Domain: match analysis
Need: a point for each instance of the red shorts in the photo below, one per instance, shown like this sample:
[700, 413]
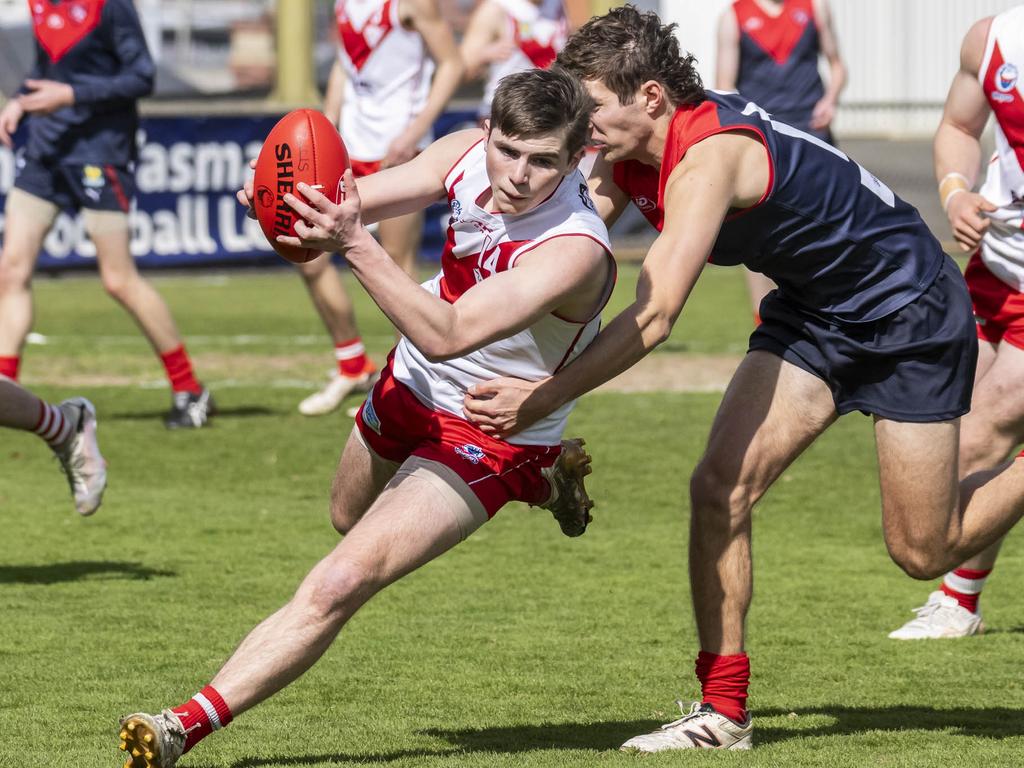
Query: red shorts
[364, 167]
[998, 308]
[396, 425]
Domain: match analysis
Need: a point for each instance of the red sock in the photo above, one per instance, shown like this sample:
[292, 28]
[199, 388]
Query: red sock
[351, 357]
[203, 714]
[9, 367]
[724, 681]
[179, 371]
[964, 585]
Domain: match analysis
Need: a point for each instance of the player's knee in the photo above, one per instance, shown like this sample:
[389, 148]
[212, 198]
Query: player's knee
[342, 517]
[15, 273]
[919, 559]
[339, 589]
[716, 495]
[984, 448]
[119, 283]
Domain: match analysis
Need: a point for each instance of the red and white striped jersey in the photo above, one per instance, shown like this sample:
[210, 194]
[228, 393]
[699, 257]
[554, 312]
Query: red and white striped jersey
[387, 76]
[1002, 248]
[538, 40]
[479, 244]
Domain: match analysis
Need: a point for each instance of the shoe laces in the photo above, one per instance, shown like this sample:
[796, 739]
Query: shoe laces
[924, 613]
[696, 708]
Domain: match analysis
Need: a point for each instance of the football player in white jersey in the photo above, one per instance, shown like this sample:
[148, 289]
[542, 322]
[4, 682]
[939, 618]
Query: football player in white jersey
[385, 94]
[988, 225]
[415, 478]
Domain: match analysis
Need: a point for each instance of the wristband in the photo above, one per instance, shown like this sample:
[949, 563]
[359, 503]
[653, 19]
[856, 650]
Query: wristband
[963, 184]
[950, 196]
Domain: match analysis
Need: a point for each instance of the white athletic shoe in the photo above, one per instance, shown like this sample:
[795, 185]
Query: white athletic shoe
[942, 616]
[152, 741]
[80, 457]
[337, 389]
[700, 728]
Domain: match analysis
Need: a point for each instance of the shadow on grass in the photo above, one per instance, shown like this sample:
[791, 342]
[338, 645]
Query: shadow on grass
[989, 722]
[240, 412]
[57, 573]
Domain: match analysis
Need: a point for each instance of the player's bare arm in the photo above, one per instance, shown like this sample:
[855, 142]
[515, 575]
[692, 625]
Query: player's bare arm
[957, 143]
[723, 172]
[727, 51]
[335, 93]
[825, 109]
[483, 44]
[425, 17]
[10, 116]
[609, 199]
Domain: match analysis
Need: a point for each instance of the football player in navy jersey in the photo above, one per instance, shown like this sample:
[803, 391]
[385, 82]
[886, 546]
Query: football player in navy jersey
[79, 102]
[768, 50]
[870, 316]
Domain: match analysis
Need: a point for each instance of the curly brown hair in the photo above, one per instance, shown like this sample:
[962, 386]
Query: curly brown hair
[625, 48]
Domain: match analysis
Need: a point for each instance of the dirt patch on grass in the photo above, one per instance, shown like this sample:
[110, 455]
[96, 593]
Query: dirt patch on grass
[659, 372]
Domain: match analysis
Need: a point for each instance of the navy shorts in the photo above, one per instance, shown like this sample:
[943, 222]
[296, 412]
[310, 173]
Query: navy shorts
[916, 364]
[73, 187]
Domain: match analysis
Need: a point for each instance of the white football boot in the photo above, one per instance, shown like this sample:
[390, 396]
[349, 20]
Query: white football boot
[80, 457]
[152, 741]
[700, 728]
[334, 391]
[942, 616]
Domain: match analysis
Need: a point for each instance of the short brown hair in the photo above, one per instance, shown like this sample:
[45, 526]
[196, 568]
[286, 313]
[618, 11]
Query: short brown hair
[542, 102]
[625, 48]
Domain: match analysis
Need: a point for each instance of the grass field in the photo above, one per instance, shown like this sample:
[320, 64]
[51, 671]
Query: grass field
[520, 647]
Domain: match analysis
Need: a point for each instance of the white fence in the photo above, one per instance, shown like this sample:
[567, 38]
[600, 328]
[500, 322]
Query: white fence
[901, 55]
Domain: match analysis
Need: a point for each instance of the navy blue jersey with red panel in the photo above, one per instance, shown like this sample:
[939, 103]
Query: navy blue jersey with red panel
[97, 47]
[778, 66]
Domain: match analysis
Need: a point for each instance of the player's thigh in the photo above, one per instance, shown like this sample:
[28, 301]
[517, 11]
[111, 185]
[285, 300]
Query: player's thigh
[420, 514]
[917, 467]
[110, 232]
[771, 411]
[27, 219]
[997, 408]
[359, 480]
[401, 237]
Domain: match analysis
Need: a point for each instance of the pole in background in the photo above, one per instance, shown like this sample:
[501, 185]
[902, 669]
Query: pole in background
[295, 80]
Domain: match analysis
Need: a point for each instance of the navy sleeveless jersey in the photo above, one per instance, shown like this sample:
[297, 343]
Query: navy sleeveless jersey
[834, 238]
[98, 48]
[779, 59]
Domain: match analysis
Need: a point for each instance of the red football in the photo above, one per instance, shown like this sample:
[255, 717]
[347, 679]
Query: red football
[303, 146]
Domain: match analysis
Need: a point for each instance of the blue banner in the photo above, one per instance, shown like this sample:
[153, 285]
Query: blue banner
[185, 212]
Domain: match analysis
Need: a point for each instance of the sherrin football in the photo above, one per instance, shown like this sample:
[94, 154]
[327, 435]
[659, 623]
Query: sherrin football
[303, 146]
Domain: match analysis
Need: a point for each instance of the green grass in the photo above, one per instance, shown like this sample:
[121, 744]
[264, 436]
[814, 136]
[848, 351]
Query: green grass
[520, 647]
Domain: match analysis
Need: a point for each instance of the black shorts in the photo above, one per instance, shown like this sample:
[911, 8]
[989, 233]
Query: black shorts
[916, 364]
[73, 187]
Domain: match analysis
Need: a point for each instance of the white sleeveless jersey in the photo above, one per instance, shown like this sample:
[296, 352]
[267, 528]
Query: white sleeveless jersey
[1002, 247]
[388, 73]
[538, 32]
[480, 244]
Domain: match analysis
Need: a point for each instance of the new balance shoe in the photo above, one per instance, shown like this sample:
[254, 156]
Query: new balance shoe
[569, 502]
[941, 616]
[334, 391]
[190, 410]
[152, 741]
[700, 728]
[80, 457]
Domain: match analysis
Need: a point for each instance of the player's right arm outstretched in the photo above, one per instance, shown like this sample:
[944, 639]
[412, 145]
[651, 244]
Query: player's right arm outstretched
[957, 146]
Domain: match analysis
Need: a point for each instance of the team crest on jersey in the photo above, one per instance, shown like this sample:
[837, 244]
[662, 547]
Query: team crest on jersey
[470, 452]
[92, 176]
[753, 24]
[1006, 77]
[456, 209]
[644, 203]
[800, 16]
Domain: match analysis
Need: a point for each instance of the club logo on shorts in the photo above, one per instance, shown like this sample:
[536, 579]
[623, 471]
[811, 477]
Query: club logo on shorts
[470, 452]
[92, 176]
[644, 203]
[370, 417]
[1006, 77]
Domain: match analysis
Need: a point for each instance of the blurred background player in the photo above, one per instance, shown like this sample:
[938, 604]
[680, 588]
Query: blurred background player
[506, 36]
[92, 65]
[768, 50]
[384, 95]
[988, 224]
[416, 478]
[70, 431]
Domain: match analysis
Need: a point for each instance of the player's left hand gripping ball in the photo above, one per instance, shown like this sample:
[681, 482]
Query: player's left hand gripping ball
[303, 147]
